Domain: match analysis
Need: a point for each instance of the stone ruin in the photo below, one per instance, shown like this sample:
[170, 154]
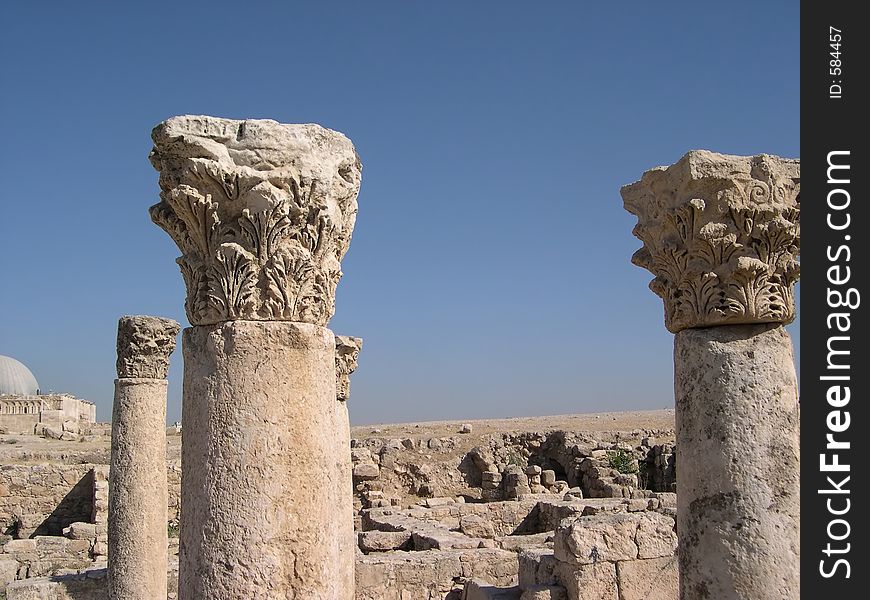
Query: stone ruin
[278, 501]
[721, 235]
[25, 409]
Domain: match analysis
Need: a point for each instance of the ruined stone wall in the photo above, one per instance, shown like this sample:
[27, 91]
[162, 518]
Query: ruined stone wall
[609, 556]
[85, 586]
[399, 471]
[44, 499]
[21, 424]
[45, 555]
[21, 414]
[430, 575]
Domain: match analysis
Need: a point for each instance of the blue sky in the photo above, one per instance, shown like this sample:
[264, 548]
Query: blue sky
[490, 267]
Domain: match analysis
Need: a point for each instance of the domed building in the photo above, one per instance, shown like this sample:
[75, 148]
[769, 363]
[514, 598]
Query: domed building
[24, 409]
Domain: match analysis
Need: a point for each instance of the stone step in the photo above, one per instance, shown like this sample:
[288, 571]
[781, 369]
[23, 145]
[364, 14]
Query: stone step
[476, 589]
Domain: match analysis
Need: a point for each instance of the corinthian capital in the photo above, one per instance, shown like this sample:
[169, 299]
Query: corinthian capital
[347, 351]
[262, 212]
[721, 234]
[144, 346]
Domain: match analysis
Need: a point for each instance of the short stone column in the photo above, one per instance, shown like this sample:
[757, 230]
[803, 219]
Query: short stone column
[721, 235]
[137, 476]
[263, 214]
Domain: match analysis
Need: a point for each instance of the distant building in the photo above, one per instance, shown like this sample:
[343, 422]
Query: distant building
[23, 408]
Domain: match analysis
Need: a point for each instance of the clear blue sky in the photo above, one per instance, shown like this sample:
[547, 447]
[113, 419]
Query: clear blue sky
[490, 267]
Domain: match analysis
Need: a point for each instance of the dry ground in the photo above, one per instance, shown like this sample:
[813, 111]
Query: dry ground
[18, 449]
[610, 421]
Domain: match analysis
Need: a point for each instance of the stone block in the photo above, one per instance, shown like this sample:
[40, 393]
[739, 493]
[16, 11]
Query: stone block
[481, 590]
[436, 502]
[666, 499]
[548, 477]
[383, 541]
[536, 567]
[366, 471]
[589, 582]
[656, 536]
[8, 571]
[605, 537]
[544, 592]
[476, 526]
[360, 455]
[650, 579]
[421, 575]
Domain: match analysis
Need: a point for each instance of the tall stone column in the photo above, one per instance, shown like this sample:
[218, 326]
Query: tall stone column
[263, 214]
[721, 235]
[137, 475]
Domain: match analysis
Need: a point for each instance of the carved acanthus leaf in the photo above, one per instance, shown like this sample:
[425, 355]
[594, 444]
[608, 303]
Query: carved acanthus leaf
[262, 217]
[721, 234]
[347, 351]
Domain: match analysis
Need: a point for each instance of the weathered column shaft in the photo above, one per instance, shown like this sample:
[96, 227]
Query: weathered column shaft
[721, 235]
[738, 460]
[137, 533]
[263, 214]
[265, 517]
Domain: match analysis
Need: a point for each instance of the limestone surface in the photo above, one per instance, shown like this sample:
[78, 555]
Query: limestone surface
[347, 351]
[262, 212]
[615, 537]
[267, 503]
[721, 234]
[144, 346]
[650, 579]
[138, 491]
[738, 504]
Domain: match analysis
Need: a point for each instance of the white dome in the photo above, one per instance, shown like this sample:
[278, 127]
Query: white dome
[16, 379]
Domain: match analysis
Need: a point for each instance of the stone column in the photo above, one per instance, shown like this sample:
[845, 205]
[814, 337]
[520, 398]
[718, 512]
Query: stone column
[137, 477]
[263, 214]
[721, 235]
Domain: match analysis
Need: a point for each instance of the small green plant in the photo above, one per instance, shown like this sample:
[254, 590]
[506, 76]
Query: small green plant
[172, 529]
[622, 461]
[514, 458]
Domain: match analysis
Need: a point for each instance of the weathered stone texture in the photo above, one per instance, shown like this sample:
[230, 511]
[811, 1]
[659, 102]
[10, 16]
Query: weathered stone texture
[262, 213]
[45, 555]
[544, 592]
[431, 575]
[266, 492]
[738, 504]
[90, 585]
[651, 579]
[383, 541]
[347, 351]
[537, 567]
[44, 499]
[144, 346]
[615, 537]
[138, 493]
[721, 234]
[594, 581]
